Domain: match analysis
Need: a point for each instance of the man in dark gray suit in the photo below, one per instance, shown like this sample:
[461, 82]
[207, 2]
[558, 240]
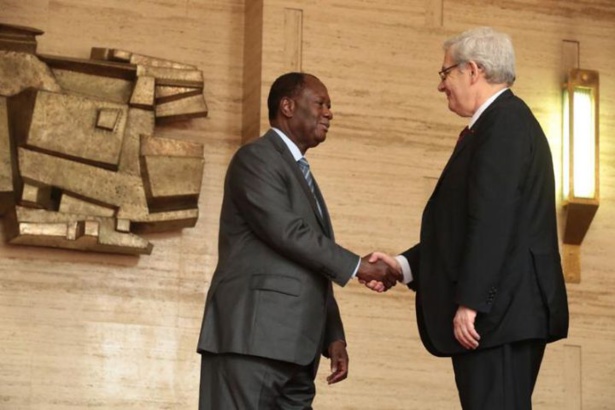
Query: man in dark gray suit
[490, 291]
[270, 311]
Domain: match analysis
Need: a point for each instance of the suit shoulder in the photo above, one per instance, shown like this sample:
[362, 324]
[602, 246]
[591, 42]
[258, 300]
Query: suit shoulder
[511, 110]
[258, 148]
[257, 156]
[511, 102]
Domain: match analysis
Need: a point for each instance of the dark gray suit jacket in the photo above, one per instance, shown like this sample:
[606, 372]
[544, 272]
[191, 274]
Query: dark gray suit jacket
[271, 293]
[489, 237]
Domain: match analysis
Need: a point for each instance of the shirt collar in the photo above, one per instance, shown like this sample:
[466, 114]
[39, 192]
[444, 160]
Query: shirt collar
[294, 150]
[483, 107]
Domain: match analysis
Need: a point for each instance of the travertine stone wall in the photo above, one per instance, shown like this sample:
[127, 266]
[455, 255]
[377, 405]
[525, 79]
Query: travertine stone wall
[82, 331]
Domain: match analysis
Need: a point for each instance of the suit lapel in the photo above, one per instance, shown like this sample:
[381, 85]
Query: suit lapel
[475, 130]
[458, 149]
[324, 219]
[281, 147]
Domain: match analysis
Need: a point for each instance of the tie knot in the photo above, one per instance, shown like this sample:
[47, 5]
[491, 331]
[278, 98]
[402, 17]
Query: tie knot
[463, 134]
[303, 163]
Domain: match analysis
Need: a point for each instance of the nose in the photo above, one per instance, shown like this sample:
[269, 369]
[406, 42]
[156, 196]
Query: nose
[328, 113]
[441, 86]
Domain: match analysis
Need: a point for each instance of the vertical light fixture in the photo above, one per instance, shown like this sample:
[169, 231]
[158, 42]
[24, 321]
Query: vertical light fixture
[580, 162]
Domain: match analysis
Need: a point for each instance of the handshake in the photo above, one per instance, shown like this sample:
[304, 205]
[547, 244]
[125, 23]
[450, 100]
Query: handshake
[379, 271]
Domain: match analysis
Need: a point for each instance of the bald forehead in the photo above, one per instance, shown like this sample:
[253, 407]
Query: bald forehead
[314, 84]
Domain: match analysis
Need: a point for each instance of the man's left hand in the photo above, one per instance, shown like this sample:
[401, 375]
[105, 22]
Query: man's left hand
[463, 328]
[339, 362]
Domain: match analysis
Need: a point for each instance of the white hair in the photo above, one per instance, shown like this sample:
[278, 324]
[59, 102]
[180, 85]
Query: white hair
[491, 50]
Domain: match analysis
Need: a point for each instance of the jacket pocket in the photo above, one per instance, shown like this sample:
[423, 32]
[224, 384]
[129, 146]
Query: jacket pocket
[287, 285]
[550, 278]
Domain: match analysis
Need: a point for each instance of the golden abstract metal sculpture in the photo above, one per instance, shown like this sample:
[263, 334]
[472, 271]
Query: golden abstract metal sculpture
[80, 167]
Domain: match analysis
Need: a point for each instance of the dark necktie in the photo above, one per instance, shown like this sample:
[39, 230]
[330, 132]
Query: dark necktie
[463, 134]
[305, 169]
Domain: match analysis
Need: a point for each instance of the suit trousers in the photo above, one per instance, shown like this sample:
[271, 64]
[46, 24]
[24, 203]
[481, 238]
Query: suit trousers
[502, 377]
[231, 381]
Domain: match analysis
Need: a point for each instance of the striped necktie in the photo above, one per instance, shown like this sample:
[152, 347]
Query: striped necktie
[305, 169]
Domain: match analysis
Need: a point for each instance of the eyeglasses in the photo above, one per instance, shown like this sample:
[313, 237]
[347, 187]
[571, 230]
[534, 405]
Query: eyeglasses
[446, 71]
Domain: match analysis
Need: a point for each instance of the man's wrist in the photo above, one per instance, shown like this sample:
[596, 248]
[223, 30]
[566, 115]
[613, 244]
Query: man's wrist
[405, 269]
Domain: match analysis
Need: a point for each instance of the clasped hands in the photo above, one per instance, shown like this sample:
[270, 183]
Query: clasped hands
[379, 271]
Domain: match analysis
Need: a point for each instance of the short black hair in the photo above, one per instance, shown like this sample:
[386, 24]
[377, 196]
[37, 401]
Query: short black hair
[286, 85]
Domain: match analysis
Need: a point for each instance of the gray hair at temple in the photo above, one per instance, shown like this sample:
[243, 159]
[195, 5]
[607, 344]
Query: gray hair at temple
[491, 50]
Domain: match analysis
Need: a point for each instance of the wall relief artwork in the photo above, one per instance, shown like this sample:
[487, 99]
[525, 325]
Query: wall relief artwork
[80, 167]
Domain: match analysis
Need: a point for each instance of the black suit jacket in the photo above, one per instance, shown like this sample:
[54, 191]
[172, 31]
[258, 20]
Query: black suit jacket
[489, 237]
[271, 293]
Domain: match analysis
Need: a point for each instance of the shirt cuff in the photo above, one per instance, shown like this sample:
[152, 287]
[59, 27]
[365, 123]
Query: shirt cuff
[354, 274]
[405, 268]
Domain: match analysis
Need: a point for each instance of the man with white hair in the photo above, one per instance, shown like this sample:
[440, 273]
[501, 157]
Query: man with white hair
[490, 291]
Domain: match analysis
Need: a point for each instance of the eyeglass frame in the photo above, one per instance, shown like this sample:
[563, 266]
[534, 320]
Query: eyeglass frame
[446, 71]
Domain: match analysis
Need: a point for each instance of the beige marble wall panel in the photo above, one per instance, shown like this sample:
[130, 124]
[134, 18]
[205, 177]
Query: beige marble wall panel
[81, 331]
[6, 169]
[252, 60]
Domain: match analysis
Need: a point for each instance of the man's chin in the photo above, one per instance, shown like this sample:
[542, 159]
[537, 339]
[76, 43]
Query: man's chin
[320, 138]
[454, 109]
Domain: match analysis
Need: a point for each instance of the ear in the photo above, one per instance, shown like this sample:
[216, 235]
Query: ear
[287, 106]
[475, 71]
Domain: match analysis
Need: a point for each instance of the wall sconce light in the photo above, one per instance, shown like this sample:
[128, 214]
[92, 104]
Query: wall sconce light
[580, 162]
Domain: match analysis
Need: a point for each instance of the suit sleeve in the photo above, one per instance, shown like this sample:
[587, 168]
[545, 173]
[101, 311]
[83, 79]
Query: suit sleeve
[260, 182]
[334, 327]
[494, 190]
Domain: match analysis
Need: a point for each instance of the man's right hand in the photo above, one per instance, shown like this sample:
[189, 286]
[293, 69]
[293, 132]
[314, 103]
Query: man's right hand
[378, 271]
